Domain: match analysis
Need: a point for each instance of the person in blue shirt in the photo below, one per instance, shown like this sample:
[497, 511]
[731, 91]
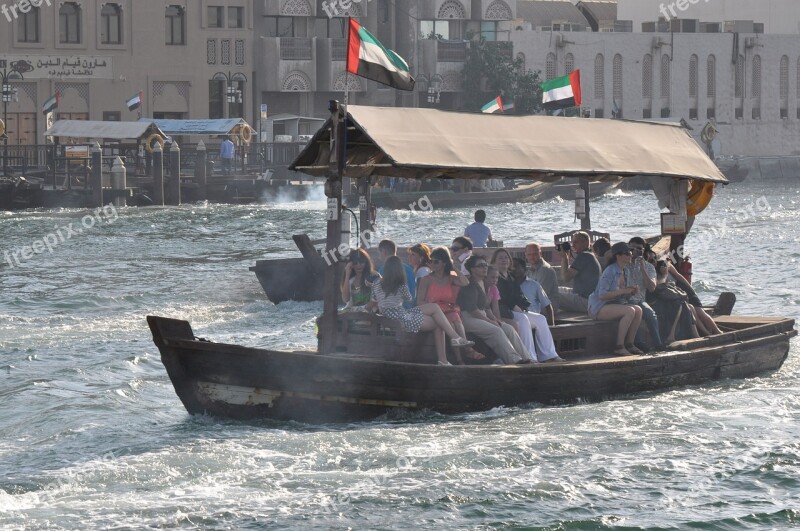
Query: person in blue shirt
[479, 232]
[227, 151]
[533, 291]
[387, 248]
[610, 300]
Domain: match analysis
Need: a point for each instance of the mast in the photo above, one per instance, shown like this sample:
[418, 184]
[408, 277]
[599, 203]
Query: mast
[333, 191]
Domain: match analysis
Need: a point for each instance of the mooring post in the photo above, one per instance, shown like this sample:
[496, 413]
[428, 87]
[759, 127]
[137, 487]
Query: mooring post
[97, 176]
[119, 182]
[200, 170]
[158, 175]
[174, 186]
[333, 191]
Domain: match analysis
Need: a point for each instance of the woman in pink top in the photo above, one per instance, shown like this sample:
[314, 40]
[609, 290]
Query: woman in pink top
[441, 288]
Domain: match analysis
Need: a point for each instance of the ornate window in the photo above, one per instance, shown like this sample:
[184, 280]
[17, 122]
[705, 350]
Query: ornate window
[550, 68]
[756, 85]
[69, 23]
[647, 76]
[498, 10]
[225, 51]
[617, 81]
[693, 73]
[28, 25]
[569, 63]
[111, 24]
[665, 76]
[175, 25]
[784, 90]
[711, 77]
[599, 77]
[297, 8]
[296, 82]
[239, 51]
[452, 9]
[211, 51]
[353, 83]
[739, 86]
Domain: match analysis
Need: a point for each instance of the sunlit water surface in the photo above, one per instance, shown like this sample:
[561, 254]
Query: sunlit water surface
[92, 434]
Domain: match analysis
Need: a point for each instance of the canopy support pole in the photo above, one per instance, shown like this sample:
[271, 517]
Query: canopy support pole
[586, 221]
[365, 211]
[332, 256]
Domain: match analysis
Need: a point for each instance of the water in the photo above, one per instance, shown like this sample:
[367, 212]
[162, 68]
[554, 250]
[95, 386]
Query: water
[93, 436]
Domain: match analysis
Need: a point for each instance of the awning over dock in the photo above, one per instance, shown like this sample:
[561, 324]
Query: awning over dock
[198, 127]
[103, 130]
[429, 143]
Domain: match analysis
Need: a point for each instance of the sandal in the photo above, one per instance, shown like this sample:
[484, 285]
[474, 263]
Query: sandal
[474, 355]
[620, 351]
[461, 342]
[633, 350]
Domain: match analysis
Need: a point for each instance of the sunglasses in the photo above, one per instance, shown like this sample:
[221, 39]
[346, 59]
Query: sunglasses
[456, 249]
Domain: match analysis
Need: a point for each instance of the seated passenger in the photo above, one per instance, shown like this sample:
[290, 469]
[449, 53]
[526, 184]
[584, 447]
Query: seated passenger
[493, 294]
[609, 301]
[580, 267]
[461, 249]
[533, 291]
[479, 232]
[359, 275]
[391, 291]
[500, 337]
[542, 272]
[602, 249]
[705, 323]
[419, 258]
[441, 288]
[514, 305]
[675, 315]
[387, 248]
[641, 274]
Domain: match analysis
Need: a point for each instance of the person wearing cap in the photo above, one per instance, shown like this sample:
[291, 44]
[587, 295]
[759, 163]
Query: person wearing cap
[610, 300]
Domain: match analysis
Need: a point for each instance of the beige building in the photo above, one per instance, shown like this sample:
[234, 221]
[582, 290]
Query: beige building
[190, 59]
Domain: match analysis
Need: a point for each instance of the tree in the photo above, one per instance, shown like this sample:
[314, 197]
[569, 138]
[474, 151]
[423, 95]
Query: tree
[490, 70]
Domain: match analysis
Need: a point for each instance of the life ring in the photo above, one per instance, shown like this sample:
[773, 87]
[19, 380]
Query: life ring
[148, 143]
[245, 133]
[698, 197]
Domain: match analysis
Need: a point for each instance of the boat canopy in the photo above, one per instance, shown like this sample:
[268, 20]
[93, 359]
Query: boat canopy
[103, 130]
[197, 127]
[429, 143]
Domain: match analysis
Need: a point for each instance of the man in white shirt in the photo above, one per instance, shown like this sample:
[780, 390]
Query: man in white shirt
[461, 250]
[479, 232]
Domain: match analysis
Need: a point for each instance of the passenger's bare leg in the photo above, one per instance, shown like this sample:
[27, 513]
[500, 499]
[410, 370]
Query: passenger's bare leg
[707, 320]
[634, 327]
[625, 314]
[435, 313]
[441, 352]
[674, 328]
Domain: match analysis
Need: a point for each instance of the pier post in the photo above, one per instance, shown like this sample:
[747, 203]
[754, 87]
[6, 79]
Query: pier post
[174, 183]
[119, 182]
[200, 170]
[333, 191]
[97, 176]
[158, 175]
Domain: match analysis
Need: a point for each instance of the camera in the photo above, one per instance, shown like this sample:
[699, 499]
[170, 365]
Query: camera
[563, 247]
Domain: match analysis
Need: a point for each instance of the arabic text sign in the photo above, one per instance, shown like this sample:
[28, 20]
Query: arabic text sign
[61, 66]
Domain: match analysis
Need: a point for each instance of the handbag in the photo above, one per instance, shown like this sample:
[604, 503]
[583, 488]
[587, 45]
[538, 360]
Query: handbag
[670, 292]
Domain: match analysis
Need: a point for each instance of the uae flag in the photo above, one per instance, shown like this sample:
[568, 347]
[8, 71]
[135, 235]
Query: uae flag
[367, 57]
[493, 106]
[135, 102]
[51, 103]
[562, 92]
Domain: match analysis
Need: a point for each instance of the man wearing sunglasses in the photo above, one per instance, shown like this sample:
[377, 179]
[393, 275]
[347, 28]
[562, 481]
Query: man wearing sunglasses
[641, 274]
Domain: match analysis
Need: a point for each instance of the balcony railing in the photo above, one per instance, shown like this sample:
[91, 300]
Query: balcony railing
[295, 49]
[451, 52]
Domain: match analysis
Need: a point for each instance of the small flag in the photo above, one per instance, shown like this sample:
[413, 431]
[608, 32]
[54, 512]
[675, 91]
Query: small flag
[367, 57]
[51, 103]
[562, 92]
[135, 102]
[493, 106]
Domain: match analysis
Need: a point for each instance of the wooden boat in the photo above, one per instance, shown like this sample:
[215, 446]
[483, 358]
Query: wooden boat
[366, 365]
[525, 193]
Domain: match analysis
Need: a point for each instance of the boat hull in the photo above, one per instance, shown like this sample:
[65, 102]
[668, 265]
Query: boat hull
[245, 383]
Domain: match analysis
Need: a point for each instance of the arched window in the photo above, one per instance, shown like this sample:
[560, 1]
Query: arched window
[647, 76]
[693, 76]
[111, 24]
[550, 66]
[599, 77]
[452, 9]
[569, 63]
[711, 77]
[69, 23]
[665, 77]
[28, 25]
[498, 10]
[617, 86]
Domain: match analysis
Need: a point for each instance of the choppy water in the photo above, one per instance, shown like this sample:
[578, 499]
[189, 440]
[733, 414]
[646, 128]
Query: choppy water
[93, 436]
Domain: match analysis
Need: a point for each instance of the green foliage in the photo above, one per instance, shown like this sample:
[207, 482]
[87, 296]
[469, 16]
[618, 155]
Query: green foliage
[490, 70]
